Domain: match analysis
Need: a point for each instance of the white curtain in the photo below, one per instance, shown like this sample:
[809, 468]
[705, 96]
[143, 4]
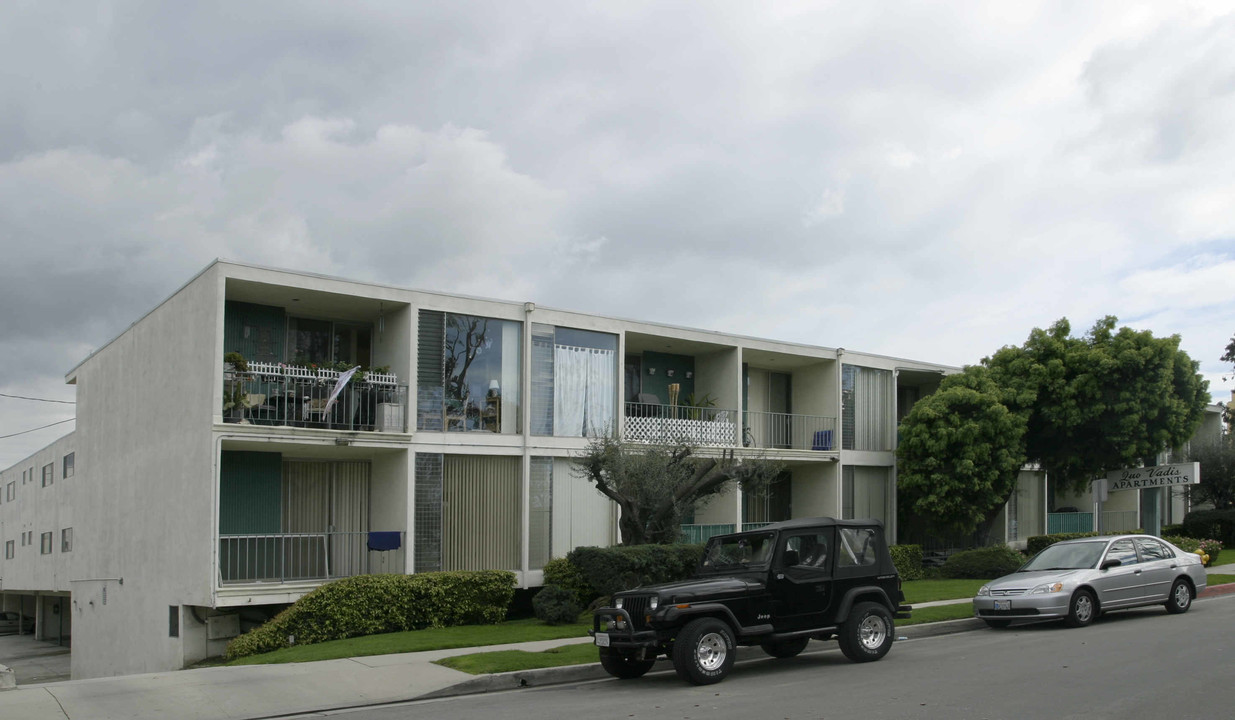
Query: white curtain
[570, 378]
[601, 391]
[873, 414]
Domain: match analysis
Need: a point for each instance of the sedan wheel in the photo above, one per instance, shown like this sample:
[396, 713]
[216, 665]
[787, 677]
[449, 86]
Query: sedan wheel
[1181, 597]
[1082, 609]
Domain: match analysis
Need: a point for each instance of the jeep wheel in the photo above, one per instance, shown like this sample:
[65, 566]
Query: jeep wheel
[624, 666]
[867, 634]
[704, 651]
[785, 648]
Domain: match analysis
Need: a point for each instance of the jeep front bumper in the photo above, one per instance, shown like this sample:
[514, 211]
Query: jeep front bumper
[613, 627]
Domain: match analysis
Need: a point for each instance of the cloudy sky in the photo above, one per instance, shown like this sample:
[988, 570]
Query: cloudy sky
[898, 178]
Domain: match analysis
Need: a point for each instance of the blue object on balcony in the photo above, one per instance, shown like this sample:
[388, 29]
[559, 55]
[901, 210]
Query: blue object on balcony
[384, 540]
[823, 440]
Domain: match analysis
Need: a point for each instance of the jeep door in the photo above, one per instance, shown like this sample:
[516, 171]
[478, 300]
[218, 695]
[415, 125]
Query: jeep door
[801, 582]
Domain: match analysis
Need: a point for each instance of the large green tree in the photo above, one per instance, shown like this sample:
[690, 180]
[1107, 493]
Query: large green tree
[654, 485]
[960, 451]
[1112, 398]
[1076, 406]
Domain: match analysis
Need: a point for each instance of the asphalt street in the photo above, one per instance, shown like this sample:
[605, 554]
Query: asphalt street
[1137, 664]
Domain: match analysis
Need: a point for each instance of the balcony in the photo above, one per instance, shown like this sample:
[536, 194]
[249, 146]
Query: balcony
[299, 396]
[787, 431]
[1113, 521]
[668, 424]
[300, 557]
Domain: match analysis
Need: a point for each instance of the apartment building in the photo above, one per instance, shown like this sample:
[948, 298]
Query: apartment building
[204, 486]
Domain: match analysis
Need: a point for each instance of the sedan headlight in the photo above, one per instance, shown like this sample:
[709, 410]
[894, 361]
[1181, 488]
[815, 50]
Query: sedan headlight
[984, 590]
[1048, 588]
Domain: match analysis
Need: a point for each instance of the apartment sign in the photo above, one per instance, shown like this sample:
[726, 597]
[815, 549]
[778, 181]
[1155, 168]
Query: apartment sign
[1152, 477]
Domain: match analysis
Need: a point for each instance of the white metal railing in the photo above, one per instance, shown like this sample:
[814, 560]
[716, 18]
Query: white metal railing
[277, 394]
[284, 557]
[654, 423]
[789, 431]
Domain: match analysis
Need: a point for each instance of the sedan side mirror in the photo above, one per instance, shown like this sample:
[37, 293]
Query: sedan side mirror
[1113, 562]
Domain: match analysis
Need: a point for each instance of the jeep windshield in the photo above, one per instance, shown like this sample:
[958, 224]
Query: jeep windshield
[737, 552]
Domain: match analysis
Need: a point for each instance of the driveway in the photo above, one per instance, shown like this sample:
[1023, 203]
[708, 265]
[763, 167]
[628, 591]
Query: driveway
[34, 661]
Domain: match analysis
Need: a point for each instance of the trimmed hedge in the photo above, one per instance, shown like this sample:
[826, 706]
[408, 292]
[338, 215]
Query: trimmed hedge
[1174, 530]
[1216, 524]
[373, 604]
[613, 569]
[560, 572]
[983, 563]
[908, 561]
[556, 605]
[1037, 543]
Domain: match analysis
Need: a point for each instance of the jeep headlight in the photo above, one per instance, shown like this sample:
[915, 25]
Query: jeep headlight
[1048, 588]
[984, 590]
[655, 603]
[617, 603]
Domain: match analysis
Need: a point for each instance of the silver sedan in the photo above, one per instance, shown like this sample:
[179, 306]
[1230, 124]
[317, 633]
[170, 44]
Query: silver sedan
[1077, 580]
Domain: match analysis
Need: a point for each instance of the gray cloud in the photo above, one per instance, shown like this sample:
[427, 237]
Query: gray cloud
[912, 180]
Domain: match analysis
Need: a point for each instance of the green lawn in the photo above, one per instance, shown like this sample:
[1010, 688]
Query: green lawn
[1226, 556]
[938, 613]
[512, 631]
[1220, 579]
[510, 660]
[920, 591]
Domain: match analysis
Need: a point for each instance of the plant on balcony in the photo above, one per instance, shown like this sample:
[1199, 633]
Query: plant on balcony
[656, 485]
[235, 389]
[695, 407]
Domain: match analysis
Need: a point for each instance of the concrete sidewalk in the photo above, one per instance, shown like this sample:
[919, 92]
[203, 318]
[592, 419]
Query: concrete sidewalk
[265, 691]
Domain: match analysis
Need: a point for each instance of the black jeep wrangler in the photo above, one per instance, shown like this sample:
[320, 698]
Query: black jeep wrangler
[776, 587]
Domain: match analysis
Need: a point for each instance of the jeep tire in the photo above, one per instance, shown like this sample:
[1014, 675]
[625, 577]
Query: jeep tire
[866, 634]
[624, 665]
[704, 651]
[786, 648]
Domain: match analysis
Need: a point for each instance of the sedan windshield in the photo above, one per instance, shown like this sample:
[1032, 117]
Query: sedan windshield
[737, 551]
[1070, 556]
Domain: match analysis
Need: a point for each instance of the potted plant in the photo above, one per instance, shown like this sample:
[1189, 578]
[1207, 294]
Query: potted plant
[235, 392]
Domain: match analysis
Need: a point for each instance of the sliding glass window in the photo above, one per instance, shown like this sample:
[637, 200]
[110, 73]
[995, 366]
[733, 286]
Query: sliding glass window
[866, 413]
[574, 382]
[468, 373]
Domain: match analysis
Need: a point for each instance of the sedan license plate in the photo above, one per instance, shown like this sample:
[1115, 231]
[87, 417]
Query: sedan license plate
[1003, 604]
[602, 639]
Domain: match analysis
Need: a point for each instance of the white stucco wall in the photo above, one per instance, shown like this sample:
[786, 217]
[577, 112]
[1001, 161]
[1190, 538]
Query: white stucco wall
[37, 509]
[145, 408]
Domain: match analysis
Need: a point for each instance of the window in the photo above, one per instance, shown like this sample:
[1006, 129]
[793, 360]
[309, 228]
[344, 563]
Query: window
[858, 547]
[467, 373]
[806, 554]
[45, 543]
[8, 550]
[574, 382]
[11, 491]
[49, 474]
[66, 540]
[173, 621]
[23, 477]
[1123, 551]
[1153, 550]
[864, 492]
[68, 465]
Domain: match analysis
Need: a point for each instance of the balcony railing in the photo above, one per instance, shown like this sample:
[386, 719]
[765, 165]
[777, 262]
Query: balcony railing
[699, 534]
[277, 394]
[290, 557]
[789, 431]
[667, 424]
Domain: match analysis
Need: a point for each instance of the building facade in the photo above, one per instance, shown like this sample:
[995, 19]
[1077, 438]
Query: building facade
[222, 463]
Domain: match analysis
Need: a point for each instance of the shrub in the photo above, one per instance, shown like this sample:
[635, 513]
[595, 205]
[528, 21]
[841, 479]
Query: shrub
[983, 563]
[1217, 524]
[613, 569]
[1174, 530]
[1186, 544]
[556, 605]
[372, 604]
[1037, 543]
[908, 561]
[563, 573]
[1211, 548]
